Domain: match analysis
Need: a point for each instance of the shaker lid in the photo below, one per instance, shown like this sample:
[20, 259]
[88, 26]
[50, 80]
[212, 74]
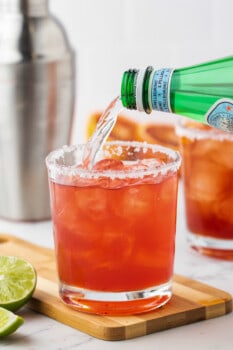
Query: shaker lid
[31, 33]
[26, 7]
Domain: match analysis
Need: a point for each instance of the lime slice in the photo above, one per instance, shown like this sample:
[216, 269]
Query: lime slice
[17, 282]
[9, 322]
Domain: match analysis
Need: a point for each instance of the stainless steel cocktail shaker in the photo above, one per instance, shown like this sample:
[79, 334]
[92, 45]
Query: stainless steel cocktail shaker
[37, 90]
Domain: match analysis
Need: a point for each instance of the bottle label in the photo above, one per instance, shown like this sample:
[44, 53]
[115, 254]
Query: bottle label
[220, 115]
[160, 90]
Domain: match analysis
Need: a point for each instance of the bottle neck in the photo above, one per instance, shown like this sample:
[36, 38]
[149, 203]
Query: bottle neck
[146, 89]
[31, 8]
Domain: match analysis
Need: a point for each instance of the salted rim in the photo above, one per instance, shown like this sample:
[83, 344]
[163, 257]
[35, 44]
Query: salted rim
[56, 169]
[200, 134]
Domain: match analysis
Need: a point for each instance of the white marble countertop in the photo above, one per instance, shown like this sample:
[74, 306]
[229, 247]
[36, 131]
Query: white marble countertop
[40, 332]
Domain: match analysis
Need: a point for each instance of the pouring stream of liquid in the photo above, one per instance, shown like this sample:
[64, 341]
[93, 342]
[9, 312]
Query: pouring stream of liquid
[101, 133]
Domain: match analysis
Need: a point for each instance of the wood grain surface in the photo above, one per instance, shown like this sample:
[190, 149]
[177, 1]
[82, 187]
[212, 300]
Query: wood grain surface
[192, 301]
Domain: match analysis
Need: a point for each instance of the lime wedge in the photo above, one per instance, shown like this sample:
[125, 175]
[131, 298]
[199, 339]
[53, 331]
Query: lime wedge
[9, 322]
[17, 282]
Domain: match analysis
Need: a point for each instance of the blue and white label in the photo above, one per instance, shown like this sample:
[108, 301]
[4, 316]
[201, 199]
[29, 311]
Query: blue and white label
[160, 90]
[220, 115]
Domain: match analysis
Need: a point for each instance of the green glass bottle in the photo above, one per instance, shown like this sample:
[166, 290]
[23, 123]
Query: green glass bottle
[202, 92]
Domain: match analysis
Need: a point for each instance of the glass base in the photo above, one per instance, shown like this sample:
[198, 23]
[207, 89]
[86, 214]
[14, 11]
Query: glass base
[213, 247]
[122, 303]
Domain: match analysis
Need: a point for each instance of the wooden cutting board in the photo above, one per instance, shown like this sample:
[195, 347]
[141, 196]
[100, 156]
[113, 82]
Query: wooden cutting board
[192, 301]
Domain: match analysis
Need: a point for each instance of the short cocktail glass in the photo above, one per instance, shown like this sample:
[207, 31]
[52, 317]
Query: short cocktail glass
[207, 170]
[114, 226]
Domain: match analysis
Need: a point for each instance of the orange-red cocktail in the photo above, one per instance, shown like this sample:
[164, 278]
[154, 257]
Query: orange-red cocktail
[114, 227]
[207, 173]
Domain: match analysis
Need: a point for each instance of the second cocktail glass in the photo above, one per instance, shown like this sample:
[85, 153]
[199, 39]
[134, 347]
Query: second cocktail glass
[208, 191]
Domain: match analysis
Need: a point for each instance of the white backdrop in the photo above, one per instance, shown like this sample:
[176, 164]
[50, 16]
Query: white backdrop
[110, 36]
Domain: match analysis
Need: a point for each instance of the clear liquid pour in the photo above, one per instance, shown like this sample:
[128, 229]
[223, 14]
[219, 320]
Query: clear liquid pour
[101, 133]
